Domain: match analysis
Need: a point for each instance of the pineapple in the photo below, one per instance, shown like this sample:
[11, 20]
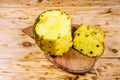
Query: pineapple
[88, 40]
[52, 30]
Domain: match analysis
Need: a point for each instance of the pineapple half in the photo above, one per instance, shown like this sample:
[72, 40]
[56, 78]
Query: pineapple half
[88, 40]
[53, 32]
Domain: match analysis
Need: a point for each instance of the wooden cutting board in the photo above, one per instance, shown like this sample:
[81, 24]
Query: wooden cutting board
[72, 61]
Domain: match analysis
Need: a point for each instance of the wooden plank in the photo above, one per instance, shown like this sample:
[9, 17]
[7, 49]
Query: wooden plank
[106, 69]
[21, 58]
[12, 30]
[59, 3]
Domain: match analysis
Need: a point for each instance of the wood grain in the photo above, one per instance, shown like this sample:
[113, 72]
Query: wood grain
[18, 62]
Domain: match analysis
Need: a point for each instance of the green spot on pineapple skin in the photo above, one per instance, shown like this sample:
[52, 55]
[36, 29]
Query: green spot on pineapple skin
[41, 15]
[37, 20]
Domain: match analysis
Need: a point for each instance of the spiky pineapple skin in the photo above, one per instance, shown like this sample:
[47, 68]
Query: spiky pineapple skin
[89, 40]
[52, 30]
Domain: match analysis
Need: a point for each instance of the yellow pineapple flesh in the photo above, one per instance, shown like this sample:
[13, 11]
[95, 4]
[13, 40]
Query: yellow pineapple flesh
[53, 32]
[88, 40]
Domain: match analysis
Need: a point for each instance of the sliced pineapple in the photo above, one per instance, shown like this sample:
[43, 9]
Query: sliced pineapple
[53, 32]
[88, 40]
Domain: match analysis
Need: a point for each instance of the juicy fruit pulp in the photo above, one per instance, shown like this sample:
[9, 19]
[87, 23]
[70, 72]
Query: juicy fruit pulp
[88, 40]
[53, 32]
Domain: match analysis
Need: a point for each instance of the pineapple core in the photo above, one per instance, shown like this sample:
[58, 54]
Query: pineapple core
[53, 32]
[88, 40]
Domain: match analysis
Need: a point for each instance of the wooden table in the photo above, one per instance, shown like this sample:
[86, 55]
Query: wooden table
[22, 59]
